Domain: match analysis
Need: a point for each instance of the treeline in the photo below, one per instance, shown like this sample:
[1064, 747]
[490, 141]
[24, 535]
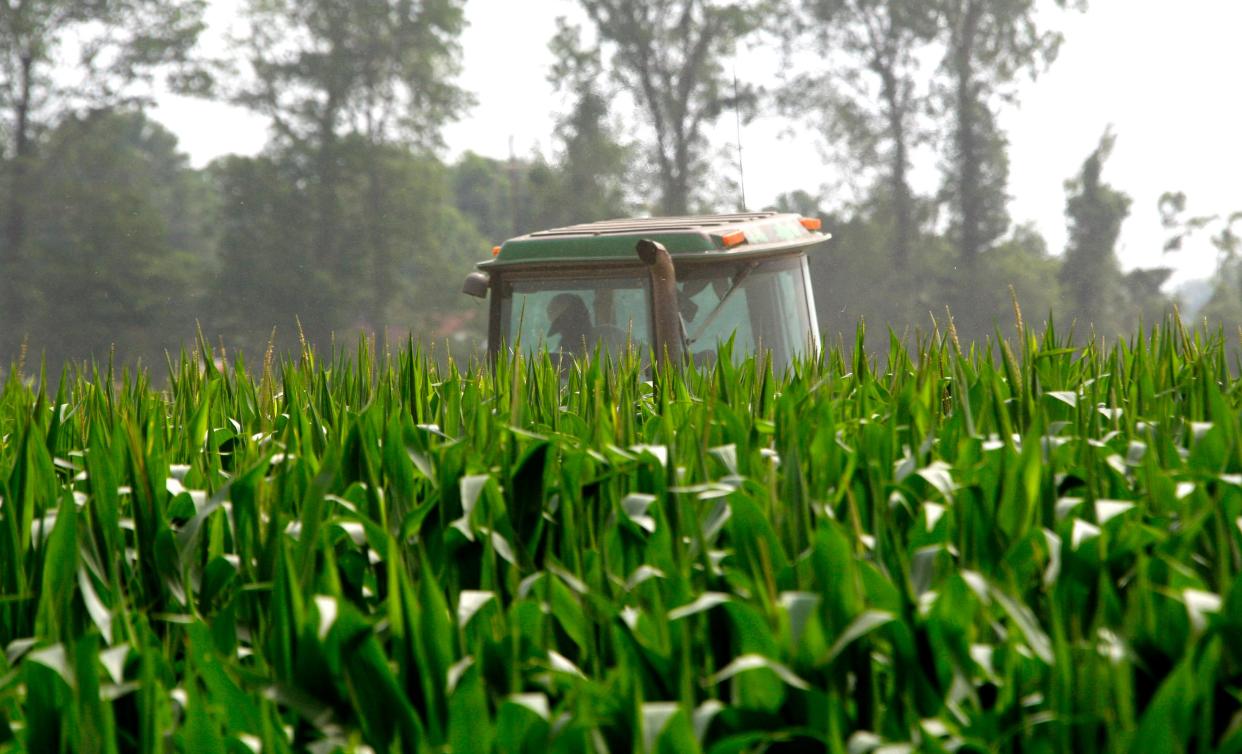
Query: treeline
[351, 221]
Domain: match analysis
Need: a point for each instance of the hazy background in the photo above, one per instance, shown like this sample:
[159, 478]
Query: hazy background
[1156, 71]
[239, 164]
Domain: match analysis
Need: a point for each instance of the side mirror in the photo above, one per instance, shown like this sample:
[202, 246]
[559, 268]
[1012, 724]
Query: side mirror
[477, 284]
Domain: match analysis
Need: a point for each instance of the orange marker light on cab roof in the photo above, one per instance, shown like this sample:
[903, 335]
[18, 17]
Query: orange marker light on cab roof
[812, 223]
[736, 238]
[495, 251]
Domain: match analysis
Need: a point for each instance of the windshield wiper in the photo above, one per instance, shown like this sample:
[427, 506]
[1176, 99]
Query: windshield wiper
[711, 316]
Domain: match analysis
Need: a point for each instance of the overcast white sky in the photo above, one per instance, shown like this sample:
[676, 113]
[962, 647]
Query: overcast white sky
[1163, 73]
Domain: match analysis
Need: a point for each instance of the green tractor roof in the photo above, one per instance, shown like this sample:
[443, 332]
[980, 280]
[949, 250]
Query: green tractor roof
[614, 240]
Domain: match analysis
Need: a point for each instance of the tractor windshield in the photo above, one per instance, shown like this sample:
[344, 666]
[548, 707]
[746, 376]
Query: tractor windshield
[763, 304]
[760, 304]
[573, 314]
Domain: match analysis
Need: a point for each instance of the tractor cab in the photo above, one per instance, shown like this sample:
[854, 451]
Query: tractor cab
[678, 285]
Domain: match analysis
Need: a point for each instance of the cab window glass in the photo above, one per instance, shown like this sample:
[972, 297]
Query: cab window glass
[710, 318]
[761, 304]
[571, 315]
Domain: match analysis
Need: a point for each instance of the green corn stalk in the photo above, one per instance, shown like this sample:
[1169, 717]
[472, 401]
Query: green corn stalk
[1013, 545]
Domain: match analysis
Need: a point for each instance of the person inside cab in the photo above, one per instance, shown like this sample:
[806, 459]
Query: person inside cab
[571, 320]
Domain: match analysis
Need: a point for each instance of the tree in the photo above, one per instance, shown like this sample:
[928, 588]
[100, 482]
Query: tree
[667, 55]
[340, 81]
[267, 278]
[1225, 304]
[585, 179]
[592, 174]
[264, 275]
[383, 69]
[121, 44]
[873, 100]
[1143, 288]
[799, 202]
[120, 223]
[1091, 278]
[490, 192]
[988, 44]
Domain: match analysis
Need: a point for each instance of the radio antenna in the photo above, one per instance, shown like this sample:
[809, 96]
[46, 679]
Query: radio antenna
[737, 112]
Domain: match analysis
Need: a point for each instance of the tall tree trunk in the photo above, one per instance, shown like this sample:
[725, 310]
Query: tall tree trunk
[969, 156]
[13, 314]
[675, 181]
[673, 202]
[326, 195]
[903, 202]
[318, 317]
[383, 276]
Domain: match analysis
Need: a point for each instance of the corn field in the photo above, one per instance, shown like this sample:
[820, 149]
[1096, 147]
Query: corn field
[1011, 546]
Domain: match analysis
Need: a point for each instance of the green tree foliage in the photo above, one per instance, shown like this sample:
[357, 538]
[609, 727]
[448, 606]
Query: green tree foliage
[267, 276]
[1091, 278]
[342, 81]
[586, 178]
[438, 245]
[879, 103]
[119, 222]
[1096, 291]
[349, 220]
[1019, 268]
[593, 173]
[321, 69]
[506, 198]
[855, 277]
[987, 45]
[264, 275]
[585, 181]
[1225, 305]
[104, 51]
[875, 102]
[1147, 301]
[668, 55]
[588, 175]
[492, 193]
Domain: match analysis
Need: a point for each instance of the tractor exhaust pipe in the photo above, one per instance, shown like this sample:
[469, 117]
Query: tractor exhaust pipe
[665, 313]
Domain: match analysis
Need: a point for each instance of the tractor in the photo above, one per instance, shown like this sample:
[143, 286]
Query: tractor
[678, 287]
